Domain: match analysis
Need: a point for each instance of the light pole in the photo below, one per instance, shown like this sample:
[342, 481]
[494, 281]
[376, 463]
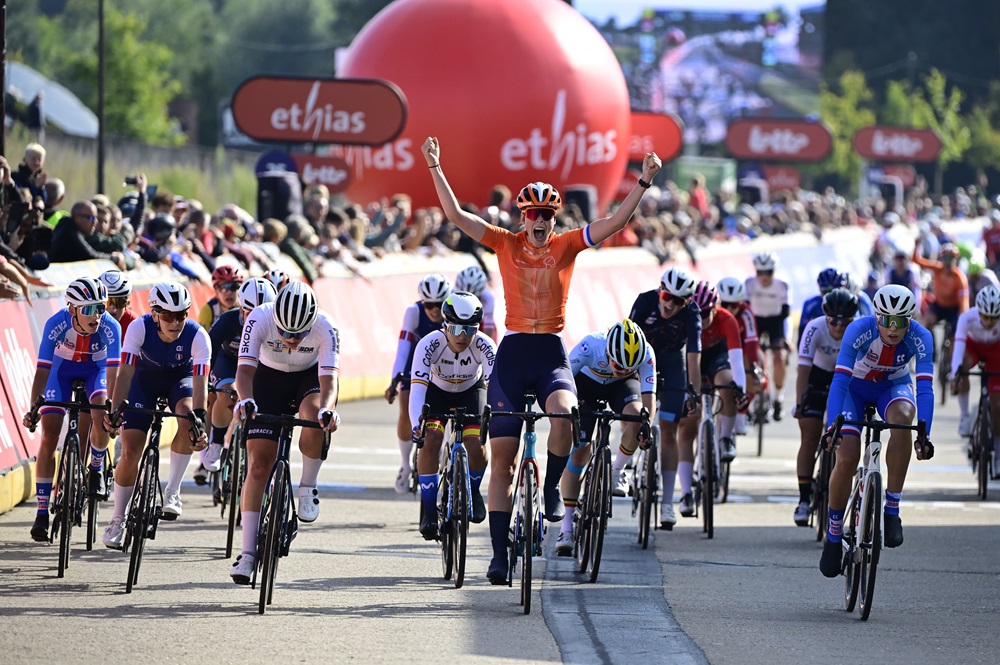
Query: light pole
[100, 96]
[3, 78]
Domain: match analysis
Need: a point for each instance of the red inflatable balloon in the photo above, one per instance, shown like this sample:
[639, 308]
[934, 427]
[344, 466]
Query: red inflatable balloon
[516, 91]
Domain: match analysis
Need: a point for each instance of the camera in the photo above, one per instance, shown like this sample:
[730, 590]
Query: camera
[130, 180]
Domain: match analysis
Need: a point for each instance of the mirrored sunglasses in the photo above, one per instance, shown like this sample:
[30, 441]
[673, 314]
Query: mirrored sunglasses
[92, 310]
[118, 303]
[458, 329]
[888, 321]
[543, 214]
[669, 297]
[290, 335]
[837, 320]
[172, 317]
[232, 287]
[431, 305]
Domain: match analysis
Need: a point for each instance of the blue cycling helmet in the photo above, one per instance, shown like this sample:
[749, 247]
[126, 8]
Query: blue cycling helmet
[830, 278]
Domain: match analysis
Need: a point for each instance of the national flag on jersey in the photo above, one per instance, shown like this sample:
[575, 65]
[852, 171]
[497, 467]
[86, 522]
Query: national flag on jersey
[81, 349]
[885, 357]
[201, 370]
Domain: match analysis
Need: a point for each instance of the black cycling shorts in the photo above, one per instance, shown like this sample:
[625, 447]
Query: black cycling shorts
[616, 394]
[812, 403]
[280, 393]
[713, 361]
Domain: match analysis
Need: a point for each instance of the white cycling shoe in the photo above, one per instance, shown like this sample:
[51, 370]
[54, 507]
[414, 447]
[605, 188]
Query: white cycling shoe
[172, 506]
[114, 533]
[403, 480]
[308, 509]
[965, 425]
[242, 569]
[211, 458]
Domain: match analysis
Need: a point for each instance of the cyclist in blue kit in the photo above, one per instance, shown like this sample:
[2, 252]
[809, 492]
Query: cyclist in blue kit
[79, 342]
[873, 367]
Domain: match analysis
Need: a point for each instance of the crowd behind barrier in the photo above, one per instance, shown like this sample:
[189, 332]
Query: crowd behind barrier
[368, 311]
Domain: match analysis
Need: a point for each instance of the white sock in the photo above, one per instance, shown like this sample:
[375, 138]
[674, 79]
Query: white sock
[310, 471]
[963, 404]
[405, 450]
[726, 424]
[250, 523]
[567, 522]
[741, 420]
[178, 467]
[621, 461]
[122, 496]
[669, 480]
[685, 470]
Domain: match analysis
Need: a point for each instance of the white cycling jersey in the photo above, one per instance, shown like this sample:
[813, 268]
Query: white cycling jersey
[818, 347]
[489, 305]
[970, 327]
[767, 301]
[434, 362]
[590, 357]
[260, 342]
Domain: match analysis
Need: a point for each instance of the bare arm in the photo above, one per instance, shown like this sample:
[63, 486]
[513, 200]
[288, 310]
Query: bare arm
[604, 228]
[473, 225]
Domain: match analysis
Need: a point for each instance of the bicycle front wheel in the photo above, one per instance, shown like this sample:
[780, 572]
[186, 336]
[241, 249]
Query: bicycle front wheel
[529, 486]
[272, 533]
[850, 546]
[460, 514]
[585, 510]
[871, 542]
[708, 477]
[140, 513]
[648, 491]
[66, 500]
[445, 526]
[821, 495]
[602, 508]
[232, 487]
[984, 444]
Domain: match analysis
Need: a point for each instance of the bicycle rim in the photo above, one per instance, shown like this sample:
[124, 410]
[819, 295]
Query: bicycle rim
[871, 544]
[528, 533]
[268, 549]
[447, 555]
[708, 478]
[581, 535]
[602, 502]
[232, 501]
[93, 518]
[67, 493]
[460, 516]
[138, 520]
[648, 494]
[985, 436]
[851, 572]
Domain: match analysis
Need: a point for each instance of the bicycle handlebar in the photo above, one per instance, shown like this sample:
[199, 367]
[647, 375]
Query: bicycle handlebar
[292, 421]
[458, 414]
[222, 391]
[528, 417]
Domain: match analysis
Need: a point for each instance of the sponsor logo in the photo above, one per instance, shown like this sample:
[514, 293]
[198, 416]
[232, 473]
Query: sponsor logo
[332, 171]
[465, 361]
[485, 348]
[865, 337]
[897, 144]
[655, 132]
[787, 140]
[432, 347]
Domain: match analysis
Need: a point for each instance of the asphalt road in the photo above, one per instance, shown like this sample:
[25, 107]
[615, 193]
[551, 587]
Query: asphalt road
[362, 586]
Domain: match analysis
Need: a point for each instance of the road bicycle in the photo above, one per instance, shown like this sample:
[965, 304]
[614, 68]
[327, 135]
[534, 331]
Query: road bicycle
[865, 519]
[527, 527]
[594, 507]
[232, 475]
[711, 475]
[215, 477]
[278, 520]
[760, 408]
[145, 508]
[454, 492]
[70, 495]
[645, 484]
[819, 509]
[981, 440]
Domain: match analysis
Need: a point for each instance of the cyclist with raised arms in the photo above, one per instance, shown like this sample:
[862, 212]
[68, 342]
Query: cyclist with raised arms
[615, 367]
[818, 350]
[79, 342]
[289, 355]
[770, 300]
[721, 350]
[225, 335]
[732, 297]
[419, 320]
[672, 325]
[827, 280]
[164, 354]
[226, 281]
[119, 298]
[977, 337]
[536, 267]
[873, 367]
[949, 284]
[451, 369]
[474, 280]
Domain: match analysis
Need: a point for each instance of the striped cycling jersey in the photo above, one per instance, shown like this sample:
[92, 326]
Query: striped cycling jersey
[144, 349]
[62, 343]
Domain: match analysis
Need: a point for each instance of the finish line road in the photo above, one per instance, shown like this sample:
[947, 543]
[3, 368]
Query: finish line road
[360, 585]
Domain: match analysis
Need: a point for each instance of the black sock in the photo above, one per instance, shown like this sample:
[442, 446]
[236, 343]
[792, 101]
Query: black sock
[499, 528]
[805, 490]
[219, 435]
[554, 469]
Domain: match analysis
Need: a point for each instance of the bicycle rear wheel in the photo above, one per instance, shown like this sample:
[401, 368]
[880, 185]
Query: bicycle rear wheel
[272, 533]
[602, 506]
[708, 477]
[93, 518]
[724, 482]
[760, 417]
[529, 485]
[871, 543]
[140, 512]
[233, 486]
[821, 495]
[945, 365]
[66, 499]
[460, 515]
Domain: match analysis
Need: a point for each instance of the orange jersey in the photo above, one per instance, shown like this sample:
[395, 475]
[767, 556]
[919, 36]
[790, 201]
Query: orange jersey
[536, 281]
[951, 288]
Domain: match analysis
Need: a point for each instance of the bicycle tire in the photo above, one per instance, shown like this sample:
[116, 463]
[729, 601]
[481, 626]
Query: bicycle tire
[66, 501]
[93, 519]
[269, 545]
[460, 514]
[760, 416]
[708, 478]
[871, 544]
[850, 566]
[984, 448]
[528, 500]
[648, 494]
[945, 365]
[444, 526]
[602, 503]
[724, 482]
[585, 509]
[821, 496]
[231, 499]
[139, 517]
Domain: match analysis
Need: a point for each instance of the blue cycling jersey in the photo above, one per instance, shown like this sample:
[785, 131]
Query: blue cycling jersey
[865, 306]
[865, 360]
[61, 343]
[191, 352]
[813, 309]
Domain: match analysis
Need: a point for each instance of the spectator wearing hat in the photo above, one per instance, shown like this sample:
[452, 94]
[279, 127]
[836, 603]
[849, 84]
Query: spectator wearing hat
[69, 240]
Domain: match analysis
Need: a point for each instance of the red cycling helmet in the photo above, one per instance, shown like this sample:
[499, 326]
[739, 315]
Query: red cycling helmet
[226, 274]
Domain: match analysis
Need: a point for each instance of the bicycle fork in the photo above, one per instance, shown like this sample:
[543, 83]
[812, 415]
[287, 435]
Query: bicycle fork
[869, 465]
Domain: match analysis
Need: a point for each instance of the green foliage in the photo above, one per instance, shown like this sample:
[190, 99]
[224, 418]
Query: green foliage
[846, 110]
[983, 122]
[897, 109]
[937, 107]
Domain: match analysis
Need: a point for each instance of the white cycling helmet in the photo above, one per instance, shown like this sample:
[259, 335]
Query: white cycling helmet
[278, 278]
[86, 291]
[256, 291]
[731, 289]
[169, 297]
[471, 279]
[894, 300]
[434, 288]
[765, 261]
[676, 282]
[626, 345]
[117, 283]
[295, 308]
[462, 308]
[988, 301]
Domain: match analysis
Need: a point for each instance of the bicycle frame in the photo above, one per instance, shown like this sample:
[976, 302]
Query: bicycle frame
[981, 441]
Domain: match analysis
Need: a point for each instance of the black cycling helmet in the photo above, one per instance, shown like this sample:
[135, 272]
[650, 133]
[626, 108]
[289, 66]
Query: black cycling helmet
[159, 227]
[840, 302]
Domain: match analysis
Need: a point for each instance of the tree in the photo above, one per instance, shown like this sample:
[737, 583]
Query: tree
[937, 107]
[897, 109]
[983, 121]
[845, 111]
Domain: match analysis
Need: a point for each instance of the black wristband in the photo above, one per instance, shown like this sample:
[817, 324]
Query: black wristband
[644, 184]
